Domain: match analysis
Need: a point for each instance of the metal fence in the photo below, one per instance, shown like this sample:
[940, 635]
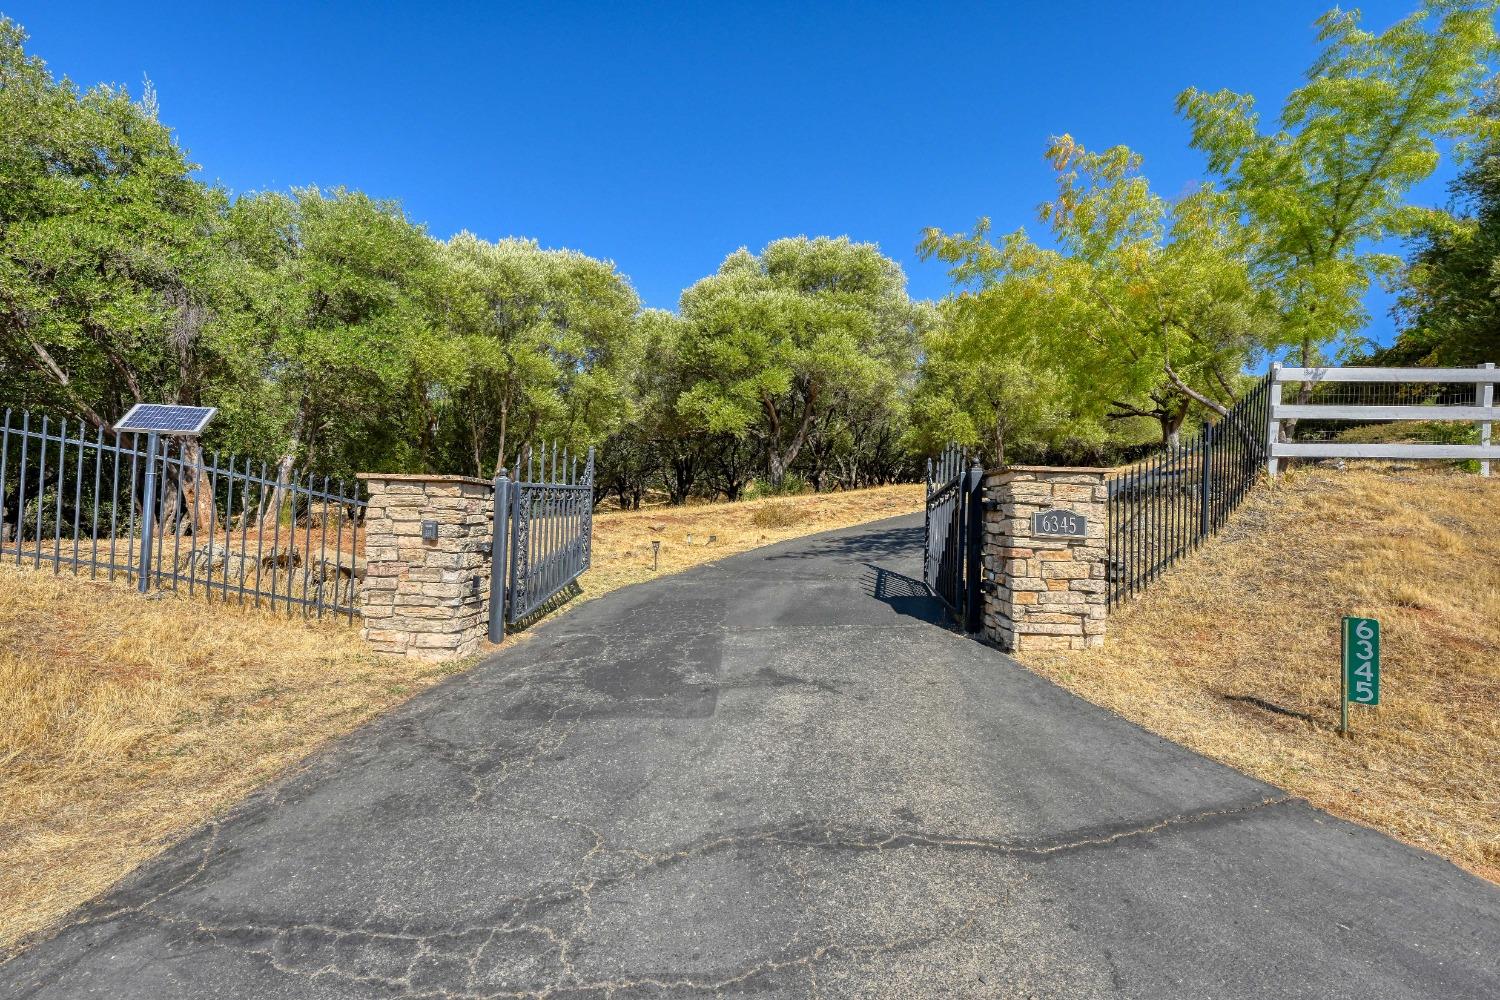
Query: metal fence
[953, 532]
[1166, 505]
[544, 527]
[169, 518]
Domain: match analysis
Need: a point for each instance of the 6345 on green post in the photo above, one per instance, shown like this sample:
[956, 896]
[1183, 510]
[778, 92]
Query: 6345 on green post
[1360, 676]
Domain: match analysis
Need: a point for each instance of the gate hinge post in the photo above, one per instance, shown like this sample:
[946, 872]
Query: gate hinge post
[499, 563]
[974, 554]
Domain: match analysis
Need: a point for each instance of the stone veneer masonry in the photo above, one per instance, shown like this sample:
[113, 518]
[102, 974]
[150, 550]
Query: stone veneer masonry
[427, 599]
[1044, 592]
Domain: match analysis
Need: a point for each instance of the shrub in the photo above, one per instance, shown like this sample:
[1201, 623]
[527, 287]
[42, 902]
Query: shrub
[776, 515]
[792, 485]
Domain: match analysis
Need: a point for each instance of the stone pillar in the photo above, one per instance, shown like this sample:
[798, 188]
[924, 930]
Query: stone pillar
[427, 597]
[1044, 584]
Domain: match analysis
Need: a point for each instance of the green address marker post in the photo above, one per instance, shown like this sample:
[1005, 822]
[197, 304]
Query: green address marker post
[1359, 678]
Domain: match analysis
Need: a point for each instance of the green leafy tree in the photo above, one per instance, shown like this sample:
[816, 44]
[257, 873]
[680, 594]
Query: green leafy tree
[1144, 308]
[656, 443]
[1450, 304]
[548, 339]
[860, 439]
[107, 265]
[679, 445]
[857, 435]
[1328, 182]
[771, 338]
[341, 330]
[989, 377]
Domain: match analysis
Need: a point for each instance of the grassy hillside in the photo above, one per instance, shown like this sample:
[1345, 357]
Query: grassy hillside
[690, 536]
[1235, 652]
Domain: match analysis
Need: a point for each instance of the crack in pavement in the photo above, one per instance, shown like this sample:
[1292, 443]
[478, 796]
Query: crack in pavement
[487, 767]
[454, 961]
[473, 762]
[273, 945]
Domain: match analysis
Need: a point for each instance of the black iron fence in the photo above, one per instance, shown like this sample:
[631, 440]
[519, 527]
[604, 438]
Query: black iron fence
[954, 531]
[1166, 505]
[172, 518]
[544, 527]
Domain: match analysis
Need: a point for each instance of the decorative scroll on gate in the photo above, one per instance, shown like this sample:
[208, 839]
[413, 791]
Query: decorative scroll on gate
[544, 526]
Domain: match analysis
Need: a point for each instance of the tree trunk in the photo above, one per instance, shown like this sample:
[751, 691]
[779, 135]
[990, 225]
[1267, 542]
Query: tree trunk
[680, 484]
[1304, 393]
[278, 493]
[196, 498]
[776, 467]
[504, 425]
[1170, 424]
[169, 493]
[781, 461]
[476, 450]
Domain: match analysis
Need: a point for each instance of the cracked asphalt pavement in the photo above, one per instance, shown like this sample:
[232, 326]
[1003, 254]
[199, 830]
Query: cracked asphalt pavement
[777, 775]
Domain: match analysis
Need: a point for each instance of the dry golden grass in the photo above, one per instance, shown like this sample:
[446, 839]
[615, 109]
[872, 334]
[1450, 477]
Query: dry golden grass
[1235, 651]
[691, 536]
[128, 722]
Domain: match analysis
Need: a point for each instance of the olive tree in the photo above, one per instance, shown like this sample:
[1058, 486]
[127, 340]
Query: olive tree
[772, 337]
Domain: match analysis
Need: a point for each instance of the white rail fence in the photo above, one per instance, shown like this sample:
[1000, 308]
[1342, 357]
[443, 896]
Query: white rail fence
[1482, 412]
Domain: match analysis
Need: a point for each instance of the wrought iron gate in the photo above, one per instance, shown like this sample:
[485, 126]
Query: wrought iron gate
[544, 527]
[954, 532]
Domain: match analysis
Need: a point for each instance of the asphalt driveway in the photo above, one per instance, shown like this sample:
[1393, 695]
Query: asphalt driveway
[774, 776]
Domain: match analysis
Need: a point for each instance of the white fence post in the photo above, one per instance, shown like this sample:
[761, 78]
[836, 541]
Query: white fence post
[1486, 398]
[1273, 431]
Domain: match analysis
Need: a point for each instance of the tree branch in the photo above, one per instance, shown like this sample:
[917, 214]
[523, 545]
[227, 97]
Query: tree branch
[50, 365]
[1192, 393]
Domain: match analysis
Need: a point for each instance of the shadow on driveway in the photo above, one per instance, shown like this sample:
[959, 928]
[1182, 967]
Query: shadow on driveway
[905, 596]
[886, 544]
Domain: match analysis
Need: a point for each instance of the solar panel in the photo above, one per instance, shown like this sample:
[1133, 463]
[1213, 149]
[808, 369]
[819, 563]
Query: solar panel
[159, 418]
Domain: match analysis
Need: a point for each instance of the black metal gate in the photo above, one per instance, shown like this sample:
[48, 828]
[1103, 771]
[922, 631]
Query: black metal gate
[544, 528]
[952, 564]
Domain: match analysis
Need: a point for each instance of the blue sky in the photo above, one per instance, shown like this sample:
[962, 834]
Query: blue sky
[665, 136]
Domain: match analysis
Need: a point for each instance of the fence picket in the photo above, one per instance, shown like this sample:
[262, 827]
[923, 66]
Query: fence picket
[77, 493]
[1154, 515]
[34, 459]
